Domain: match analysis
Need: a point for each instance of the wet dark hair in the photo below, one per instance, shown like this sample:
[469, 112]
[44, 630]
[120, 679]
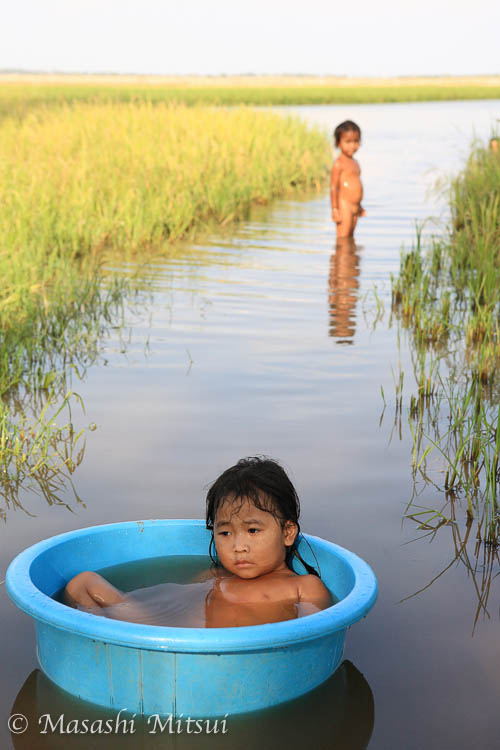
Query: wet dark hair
[345, 127]
[263, 482]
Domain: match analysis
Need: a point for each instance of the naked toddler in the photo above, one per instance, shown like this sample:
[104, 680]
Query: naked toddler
[346, 190]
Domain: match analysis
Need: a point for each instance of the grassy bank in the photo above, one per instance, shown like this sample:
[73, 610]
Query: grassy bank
[21, 94]
[449, 300]
[83, 185]
[82, 179]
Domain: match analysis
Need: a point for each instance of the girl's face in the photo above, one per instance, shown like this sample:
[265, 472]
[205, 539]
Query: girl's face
[349, 142]
[250, 542]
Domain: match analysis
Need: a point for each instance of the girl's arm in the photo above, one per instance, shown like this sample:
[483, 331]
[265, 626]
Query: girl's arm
[334, 191]
[313, 591]
[89, 589]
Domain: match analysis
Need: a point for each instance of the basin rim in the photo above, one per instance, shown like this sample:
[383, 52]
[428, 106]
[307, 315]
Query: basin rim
[43, 608]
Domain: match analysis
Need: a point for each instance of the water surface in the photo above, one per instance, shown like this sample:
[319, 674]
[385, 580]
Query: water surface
[266, 339]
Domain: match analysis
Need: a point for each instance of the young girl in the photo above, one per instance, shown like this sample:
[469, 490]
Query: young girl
[252, 512]
[346, 190]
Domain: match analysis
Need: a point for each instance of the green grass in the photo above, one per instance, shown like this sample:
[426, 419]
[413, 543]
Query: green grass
[448, 298]
[84, 187]
[81, 180]
[451, 294]
[18, 99]
[41, 359]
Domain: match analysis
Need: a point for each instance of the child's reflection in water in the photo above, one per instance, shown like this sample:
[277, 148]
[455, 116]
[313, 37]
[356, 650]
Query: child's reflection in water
[343, 287]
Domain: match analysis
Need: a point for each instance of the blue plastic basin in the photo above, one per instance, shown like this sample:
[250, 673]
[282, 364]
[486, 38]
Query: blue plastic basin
[197, 672]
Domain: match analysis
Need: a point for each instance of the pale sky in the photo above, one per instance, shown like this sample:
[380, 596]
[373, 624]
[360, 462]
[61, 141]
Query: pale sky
[366, 37]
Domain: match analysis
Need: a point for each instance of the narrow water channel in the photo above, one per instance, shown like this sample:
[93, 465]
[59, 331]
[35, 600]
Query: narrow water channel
[267, 340]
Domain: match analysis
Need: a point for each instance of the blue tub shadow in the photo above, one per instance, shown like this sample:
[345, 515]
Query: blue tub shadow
[338, 715]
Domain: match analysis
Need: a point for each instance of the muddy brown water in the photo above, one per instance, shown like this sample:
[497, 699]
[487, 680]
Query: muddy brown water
[265, 339]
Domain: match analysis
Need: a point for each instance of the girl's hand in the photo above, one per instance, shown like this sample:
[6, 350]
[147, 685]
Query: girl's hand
[89, 589]
[336, 215]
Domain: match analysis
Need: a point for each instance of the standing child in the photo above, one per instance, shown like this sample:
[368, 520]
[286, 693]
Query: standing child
[346, 190]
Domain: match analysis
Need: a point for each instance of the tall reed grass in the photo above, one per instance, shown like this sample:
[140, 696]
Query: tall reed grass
[449, 299]
[80, 179]
[451, 295]
[81, 184]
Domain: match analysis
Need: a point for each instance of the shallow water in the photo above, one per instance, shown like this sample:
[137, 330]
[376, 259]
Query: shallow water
[154, 571]
[267, 340]
[178, 591]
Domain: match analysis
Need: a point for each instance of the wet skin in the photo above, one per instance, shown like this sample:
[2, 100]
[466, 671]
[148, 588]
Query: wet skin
[252, 586]
[346, 190]
[259, 587]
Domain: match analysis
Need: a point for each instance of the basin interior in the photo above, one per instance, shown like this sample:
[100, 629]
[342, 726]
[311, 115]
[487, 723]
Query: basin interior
[101, 547]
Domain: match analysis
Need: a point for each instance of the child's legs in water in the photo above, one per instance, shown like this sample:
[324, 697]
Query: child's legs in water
[89, 589]
[348, 218]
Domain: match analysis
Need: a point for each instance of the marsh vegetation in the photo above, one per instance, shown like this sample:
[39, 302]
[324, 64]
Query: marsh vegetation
[86, 187]
[20, 94]
[448, 297]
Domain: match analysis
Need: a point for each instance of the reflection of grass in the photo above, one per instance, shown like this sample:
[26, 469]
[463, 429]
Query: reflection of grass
[39, 455]
[459, 425]
[40, 447]
[450, 301]
[61, 325]
[26, 92]
[482, 561]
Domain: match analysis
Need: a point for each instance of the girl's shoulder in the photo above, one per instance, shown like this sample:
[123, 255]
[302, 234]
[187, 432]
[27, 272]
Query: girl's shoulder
[337, 164]
[313, 590]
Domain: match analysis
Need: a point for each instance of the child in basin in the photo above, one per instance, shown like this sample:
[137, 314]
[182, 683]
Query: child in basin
[346, 190]
[252, 511]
